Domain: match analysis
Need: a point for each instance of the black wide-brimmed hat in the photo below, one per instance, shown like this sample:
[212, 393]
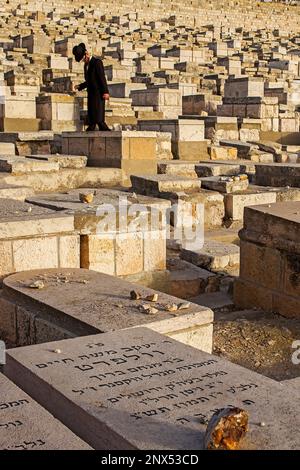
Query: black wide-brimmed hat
[79, 51]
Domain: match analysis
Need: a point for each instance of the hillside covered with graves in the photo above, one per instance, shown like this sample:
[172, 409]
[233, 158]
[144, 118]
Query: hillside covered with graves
[150, 274]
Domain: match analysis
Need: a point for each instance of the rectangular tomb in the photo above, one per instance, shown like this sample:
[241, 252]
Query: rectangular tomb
[270, 259]
[136, 227]
[46, 305]
[278, 174]
[132, 151]
[190, 204]
[25, 425]
[137, 389]
[187, 136]
[224, 184]
[35, 237]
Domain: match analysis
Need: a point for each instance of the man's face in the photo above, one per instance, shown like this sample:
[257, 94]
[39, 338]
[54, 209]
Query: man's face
[86, 58]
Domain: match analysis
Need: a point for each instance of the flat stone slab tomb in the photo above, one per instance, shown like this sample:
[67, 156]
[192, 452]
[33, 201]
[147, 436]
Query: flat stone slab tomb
[133, 247]
[25, 425]
[137, 389]
[186, 195]
[132, 151]
[225, 184]
[79, 302]
[278, 174]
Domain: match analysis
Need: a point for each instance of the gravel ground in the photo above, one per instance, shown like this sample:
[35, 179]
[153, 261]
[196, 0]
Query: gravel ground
[259, 341]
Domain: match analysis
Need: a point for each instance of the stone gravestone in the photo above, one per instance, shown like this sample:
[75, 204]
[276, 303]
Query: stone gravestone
[25, 425]
[80, 302]
[137, 389]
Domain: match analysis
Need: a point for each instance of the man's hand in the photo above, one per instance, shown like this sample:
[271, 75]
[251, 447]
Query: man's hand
[75, 87]
[106, 96]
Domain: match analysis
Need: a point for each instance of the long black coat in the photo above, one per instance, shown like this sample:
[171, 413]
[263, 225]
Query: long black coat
[95, 82]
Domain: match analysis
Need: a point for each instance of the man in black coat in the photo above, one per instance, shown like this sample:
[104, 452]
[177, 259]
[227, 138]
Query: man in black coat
[96, 85]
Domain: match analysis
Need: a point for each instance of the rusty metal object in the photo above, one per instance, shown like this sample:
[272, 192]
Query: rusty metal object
[226, 429]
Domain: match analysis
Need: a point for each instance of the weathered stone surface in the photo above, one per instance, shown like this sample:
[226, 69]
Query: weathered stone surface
[113, 385]
[214, 255]
[187, 136]
[64, 161]
[85, 215]
[134, 152]
[217, 152]
[115, 249]
[32, 236]
[187, 280]
[20, 219]
[270, 256]
[235, 203]
[21, 165]
[278, 174]
[7, 148]
[224, 184]
[178, 168]
[66, 179]
[164, 184]
[15, 192]
[86, 302]
[190, 204]
[293, 383]
[25, 425]
[220, 169]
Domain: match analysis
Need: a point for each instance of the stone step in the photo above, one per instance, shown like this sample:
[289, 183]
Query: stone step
[216, 301]
[224, 184]
[188, 207]
[267, 146]
[20, 193]
[282, 194]
[66, 179]
[158, 184]
[21, 165]
[215, 256]
[64, 161]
